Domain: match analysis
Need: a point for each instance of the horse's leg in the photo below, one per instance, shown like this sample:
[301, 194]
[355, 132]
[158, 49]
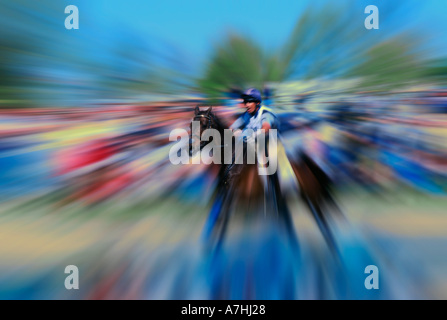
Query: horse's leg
[285, 218]
[332, 205]
[214, 215]
[312, 194]
[217, 223]
[221, 232]
[324, 186]
[218, 203]
[323, 225]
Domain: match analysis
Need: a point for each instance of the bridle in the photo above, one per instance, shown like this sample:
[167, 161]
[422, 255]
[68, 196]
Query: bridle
[208, 126]
[211, 120]
[206, 117]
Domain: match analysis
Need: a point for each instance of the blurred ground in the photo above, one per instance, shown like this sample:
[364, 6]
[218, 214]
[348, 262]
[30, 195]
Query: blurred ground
[156, 240]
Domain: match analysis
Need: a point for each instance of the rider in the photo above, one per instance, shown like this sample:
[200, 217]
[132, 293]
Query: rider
[257, 116]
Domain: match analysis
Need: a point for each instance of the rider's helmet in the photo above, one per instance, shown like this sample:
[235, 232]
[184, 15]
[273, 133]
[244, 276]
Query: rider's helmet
[252, 94]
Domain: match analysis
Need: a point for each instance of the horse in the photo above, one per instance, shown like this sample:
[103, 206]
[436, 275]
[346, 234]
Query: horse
[316, 190]
[240, 192]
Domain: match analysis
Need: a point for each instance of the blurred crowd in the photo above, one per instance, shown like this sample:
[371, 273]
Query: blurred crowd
[370, 139]
[375, 140]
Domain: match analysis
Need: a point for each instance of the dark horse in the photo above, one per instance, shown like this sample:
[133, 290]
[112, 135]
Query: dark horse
[316, 191]
[240, 192]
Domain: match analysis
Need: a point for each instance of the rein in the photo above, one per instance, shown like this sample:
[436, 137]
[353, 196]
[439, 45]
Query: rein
[206, 117]
[210, 120]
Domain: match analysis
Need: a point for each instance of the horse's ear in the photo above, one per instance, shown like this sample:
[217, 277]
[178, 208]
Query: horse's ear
[197, 110]
[208, 112]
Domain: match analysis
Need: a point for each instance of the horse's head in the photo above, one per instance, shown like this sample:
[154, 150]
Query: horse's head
[206, 120]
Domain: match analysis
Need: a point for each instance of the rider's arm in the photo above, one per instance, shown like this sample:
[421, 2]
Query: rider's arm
[266, 127]
[268, 122]
[239, 123]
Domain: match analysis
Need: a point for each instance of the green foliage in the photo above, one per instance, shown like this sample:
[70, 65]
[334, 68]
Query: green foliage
[326, 42]
[235, 63]
[389, 64]
[437, 69]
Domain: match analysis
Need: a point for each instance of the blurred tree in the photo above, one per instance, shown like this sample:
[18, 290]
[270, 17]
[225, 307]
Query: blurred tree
[28, 30]
[437, 69]
[326, 43]
[11, 83]
[235, 63]
[389, 64]
[43, 64]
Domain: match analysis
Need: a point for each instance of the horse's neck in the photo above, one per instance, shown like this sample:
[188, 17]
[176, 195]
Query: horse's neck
[221, 129]
[219, 124]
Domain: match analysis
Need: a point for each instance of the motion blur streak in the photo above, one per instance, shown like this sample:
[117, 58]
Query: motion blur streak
[85, 176]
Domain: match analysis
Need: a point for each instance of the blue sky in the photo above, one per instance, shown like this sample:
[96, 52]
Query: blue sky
[187, 30]
[176, 34]
[196, 24]
[179, 34]
[193, 27]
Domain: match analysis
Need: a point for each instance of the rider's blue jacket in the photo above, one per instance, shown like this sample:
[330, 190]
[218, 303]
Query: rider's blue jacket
[255, 121]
